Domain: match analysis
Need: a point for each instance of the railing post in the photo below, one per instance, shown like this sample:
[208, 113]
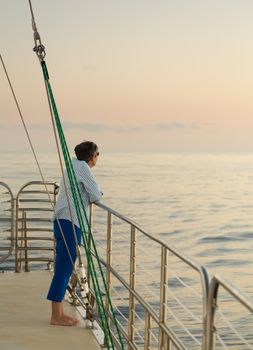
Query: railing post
[211, 311]
[132, 283]
[13, 206]
[109, 260]
[17, 269]
[167, 342]
[163, 295]
[148, 325]
[12, 222]
[25, 242]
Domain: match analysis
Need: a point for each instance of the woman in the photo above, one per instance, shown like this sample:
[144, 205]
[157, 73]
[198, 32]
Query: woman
[86, 158]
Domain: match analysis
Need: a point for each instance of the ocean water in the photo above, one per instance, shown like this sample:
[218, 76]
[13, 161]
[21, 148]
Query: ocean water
[200, 203]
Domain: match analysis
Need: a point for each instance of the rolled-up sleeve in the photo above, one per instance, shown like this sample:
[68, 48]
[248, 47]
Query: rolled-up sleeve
[90, 185]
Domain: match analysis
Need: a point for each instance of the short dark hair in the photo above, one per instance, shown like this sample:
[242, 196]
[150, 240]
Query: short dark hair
[85, 150]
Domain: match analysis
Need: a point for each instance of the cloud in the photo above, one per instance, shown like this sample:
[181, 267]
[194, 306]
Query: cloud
[92, 127]
[100, 127]
[176, 125]
[90, 67]
[3, 126]
[39, 126]
[29, 126]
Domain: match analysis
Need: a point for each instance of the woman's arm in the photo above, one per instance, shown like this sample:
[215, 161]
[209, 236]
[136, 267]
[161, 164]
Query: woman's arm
[89, 182]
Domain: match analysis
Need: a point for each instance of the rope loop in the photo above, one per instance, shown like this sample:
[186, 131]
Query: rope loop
[39, 48]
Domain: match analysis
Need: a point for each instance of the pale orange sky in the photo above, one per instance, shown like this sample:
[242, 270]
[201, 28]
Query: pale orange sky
[170, 76]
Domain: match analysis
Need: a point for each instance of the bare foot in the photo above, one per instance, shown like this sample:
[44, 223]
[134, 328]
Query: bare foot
[63, 321]
[74, 320]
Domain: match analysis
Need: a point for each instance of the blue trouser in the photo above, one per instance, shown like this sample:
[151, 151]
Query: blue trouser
[63, 264]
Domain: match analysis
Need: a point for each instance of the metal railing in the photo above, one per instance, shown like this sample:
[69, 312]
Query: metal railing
[229, 317]
[34, 241]
[7, 221]
[151, 278]
[162, 298]
[25, 222]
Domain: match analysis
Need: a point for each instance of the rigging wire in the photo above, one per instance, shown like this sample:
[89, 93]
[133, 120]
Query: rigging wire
[22, 118]
[38, 48]
[41, 53]
[37, 162]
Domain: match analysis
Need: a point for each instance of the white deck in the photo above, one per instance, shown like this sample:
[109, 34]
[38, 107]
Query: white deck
[25, 314]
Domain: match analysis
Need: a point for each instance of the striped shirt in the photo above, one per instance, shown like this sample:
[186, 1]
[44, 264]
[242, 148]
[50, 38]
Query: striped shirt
[89, 190]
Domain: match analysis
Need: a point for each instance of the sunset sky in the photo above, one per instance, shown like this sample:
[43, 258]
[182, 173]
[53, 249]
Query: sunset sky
[133, 75]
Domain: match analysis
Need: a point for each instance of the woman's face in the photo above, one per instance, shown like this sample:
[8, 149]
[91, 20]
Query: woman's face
[94, 159]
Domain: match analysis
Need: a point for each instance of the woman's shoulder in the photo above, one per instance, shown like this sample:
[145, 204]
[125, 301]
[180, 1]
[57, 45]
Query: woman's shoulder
[80, 165]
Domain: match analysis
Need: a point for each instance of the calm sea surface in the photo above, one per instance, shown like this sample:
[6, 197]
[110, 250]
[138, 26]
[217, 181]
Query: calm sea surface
[202, 204]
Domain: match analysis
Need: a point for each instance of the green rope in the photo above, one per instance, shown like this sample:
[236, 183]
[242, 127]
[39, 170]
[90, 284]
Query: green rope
[74, 193]
[80, 209]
